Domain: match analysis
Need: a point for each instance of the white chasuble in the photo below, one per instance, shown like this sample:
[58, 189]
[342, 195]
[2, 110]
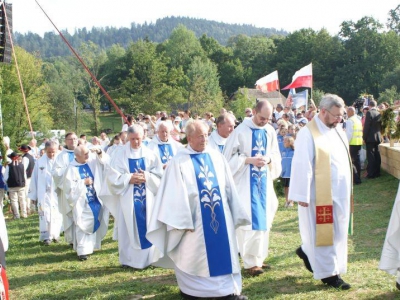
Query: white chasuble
[325, 261]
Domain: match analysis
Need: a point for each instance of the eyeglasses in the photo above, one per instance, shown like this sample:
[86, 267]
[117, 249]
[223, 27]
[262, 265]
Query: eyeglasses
[71, 139]
[336, 117]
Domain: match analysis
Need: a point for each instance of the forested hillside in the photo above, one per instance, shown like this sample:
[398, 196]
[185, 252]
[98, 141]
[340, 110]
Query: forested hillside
[51, 45]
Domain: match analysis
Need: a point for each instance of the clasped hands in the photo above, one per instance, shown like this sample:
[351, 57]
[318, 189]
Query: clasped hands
[258, 161]
[137, 178]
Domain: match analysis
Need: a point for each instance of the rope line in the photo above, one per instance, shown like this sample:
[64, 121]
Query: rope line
[18, 73]
[86, 68]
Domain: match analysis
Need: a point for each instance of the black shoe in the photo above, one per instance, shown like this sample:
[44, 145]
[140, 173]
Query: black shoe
[300, 253]
[126, 267]
[398, 285]
[188, 297]
[336, 282]
[47, 242]
[234, 297]
[82, 257]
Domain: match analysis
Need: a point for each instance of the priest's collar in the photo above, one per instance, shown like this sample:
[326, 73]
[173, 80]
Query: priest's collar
[192, 150]
[161, 142]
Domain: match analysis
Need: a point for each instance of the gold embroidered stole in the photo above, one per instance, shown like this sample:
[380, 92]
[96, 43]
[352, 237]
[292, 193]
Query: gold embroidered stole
[323, 186]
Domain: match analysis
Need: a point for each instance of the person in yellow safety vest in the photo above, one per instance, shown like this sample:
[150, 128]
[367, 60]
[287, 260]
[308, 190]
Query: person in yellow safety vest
[354, 132]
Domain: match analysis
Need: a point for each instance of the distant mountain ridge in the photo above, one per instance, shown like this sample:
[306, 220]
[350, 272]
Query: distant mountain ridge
[51, 45]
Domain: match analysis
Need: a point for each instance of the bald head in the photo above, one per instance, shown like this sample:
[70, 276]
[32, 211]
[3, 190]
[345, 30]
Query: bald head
[351, 111]
[197, 135]
[262, 113]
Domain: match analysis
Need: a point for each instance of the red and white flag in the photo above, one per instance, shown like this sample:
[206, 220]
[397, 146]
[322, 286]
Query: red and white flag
[302, 78]
[268, 83]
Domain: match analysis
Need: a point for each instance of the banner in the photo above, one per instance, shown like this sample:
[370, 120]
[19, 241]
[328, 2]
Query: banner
[268, 83]
[300, 99]
[302, 78]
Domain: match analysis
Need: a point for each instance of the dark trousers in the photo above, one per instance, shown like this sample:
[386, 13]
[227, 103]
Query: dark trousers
[355, 159]
[374, 160]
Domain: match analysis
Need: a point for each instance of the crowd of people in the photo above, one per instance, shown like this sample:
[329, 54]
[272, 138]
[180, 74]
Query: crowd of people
[190, 193]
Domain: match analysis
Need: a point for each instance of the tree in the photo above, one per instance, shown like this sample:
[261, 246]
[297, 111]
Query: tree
[368, 56]
[182, 47]
[66, 83]
[393, 21]
[389, 95]
[150, 85]
[94, 58]
[15, 119]
[205, 93]
[254, 54]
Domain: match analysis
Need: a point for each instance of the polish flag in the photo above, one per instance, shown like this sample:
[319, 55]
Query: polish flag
[302, 78]
[268, 83]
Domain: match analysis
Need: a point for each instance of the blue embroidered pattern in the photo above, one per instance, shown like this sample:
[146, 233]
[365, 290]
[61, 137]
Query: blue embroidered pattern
[166, 152]
[139, 202]
[91, 196]
[258, 181]
[213, 217]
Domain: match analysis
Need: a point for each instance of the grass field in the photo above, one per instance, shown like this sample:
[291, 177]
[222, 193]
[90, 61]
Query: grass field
[36, 271]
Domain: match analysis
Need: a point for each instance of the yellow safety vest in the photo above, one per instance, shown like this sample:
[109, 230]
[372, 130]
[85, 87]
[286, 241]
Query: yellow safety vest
[357, 137]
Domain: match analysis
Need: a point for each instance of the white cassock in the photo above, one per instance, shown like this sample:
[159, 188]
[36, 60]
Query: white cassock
[164, 150]
[3, 231]
[60, 166]
[325, 261]
[255, 186]
[390, 258]
[131, 204]
[89, 215]
[43, 190]
[205, 259]
[216, 142]
[111, 150]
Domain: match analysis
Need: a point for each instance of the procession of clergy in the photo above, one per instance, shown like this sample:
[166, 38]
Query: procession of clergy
[193, 208]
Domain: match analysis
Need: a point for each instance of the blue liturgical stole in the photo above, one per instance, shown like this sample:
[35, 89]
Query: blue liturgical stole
[213, 217]
[165, 152]
[258, 181]
[139, 202]
[71, 155]
[91, 196]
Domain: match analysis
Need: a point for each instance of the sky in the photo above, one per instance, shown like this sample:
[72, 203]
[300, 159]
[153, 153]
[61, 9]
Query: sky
[289, 15]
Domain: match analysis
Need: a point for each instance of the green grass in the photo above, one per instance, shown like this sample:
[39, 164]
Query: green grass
[39, 272]
[111, 121]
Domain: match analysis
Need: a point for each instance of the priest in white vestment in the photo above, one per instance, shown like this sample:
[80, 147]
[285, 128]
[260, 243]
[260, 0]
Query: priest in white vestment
[42, 190]
[132, 183]
[193, 224]
[325, 262]
[163, 145]
[225, 125]
[253, 155]
[82, 182]
[60, 166]
[390, 258]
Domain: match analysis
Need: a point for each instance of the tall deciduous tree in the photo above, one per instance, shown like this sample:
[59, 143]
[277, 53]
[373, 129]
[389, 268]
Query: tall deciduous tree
[15, 119]
[369, 54]
[182, 47]
[150, 85]
[205, 93]
[94, 57]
